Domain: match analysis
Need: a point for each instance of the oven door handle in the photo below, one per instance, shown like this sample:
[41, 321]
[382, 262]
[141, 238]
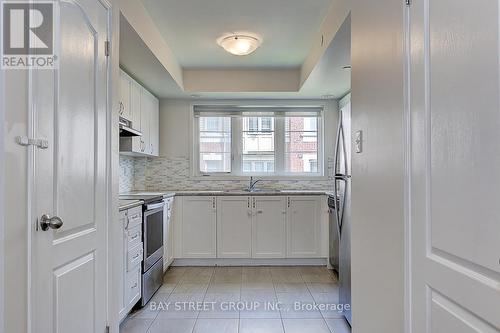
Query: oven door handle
[154, 206]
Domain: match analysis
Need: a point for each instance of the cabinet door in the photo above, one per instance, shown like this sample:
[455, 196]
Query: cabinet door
[234, 227]
[168, 248]
[269, 227]
[154, 126]
[123, 264]
[199, 227]
[125, 96]
[303, 227]
[145, 120]
[135, 110]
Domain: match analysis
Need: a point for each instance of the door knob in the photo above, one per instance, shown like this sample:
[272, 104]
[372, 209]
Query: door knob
[47, 222]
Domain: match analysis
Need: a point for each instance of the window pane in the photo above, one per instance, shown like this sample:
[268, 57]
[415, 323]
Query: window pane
[301, 162]
[301, 144]
[215, 144]
[258, 144]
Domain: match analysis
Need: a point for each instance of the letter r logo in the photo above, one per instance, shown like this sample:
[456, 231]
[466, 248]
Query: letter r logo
[27, 28]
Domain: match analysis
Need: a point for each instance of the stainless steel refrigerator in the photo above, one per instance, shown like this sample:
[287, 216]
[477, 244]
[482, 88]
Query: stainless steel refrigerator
[342, 210]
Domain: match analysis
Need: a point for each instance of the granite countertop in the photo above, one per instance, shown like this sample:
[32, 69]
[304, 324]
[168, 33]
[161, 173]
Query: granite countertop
[263, 192]
[129, 203]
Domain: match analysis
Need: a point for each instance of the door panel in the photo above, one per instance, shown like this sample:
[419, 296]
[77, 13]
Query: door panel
[71, 304]
[70, 176]
[75, 122]
[455, 144]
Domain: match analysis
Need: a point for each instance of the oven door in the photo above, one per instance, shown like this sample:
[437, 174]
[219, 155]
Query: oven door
[153, 235]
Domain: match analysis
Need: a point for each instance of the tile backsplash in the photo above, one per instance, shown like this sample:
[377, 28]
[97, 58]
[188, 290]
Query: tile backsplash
[162, 174]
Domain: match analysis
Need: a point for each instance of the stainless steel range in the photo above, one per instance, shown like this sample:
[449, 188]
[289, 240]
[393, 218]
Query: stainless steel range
[152, 238]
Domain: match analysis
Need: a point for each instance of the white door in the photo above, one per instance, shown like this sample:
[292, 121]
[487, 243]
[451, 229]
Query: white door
[234, 227]
[199, 227]
[70, 176]
[455, 166]
[269, 227]
[303, 227]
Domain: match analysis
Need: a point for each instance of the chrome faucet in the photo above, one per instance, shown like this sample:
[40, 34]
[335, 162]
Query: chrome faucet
[251, 186]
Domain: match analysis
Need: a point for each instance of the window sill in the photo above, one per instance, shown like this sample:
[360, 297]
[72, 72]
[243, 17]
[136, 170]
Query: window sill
[262, 177]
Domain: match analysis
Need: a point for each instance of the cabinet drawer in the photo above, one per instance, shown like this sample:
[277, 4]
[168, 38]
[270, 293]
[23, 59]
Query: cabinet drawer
[132, 288]
[134, 217]
[134, 257]
[134, 236]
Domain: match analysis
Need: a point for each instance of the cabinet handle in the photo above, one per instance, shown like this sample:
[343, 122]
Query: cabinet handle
[259, 212]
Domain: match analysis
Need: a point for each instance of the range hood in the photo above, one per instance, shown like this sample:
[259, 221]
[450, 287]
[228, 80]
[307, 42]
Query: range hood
[126, 129]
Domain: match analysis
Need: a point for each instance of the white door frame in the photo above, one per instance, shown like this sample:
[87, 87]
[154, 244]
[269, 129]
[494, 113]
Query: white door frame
[407, 174]
[2, 243]
[31, 181]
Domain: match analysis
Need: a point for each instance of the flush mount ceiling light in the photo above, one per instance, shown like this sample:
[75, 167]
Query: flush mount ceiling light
[239, 45]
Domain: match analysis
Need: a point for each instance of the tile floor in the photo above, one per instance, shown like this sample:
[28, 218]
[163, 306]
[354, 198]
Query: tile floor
[242, 300]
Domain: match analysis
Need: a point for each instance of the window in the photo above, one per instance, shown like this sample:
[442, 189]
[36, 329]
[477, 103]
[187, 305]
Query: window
[215, 144]
[258, 144]
[258, 141]
[301, 144]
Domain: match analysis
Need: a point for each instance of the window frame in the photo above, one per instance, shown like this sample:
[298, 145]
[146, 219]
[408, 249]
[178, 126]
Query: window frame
[237, 146]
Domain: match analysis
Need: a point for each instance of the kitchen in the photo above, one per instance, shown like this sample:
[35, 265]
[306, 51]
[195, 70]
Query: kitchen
[246, 186]
[270, 166]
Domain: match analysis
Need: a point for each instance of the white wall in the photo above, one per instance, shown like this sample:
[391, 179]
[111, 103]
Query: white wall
[15, 216]
[171, 170]
[378, 172]
[175, 118]
[2, 270]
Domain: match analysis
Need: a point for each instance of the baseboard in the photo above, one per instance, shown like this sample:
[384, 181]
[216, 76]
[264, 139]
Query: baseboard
[250, 262]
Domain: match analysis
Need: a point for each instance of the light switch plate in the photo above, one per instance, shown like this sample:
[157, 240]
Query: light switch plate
[358, 141]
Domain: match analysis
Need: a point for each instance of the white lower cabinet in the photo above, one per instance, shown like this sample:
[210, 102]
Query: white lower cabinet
[259, 227]
[269, 227]
[168, 233]
[303, 226]
[199, 227]
[132, 255]
[234, 227]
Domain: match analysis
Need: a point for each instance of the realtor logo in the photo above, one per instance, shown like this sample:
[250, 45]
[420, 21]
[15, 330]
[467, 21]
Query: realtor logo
[27, 35]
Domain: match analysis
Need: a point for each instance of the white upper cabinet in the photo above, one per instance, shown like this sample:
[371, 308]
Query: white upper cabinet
[154, 127]
[145, 121]
[124, 104]
[234, 227]
[303, 226]
[143, 109]
[269, 227]
[199, 227]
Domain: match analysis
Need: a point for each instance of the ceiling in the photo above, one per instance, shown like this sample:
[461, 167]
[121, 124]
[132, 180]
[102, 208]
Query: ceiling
[140, 63]
[191, 28]
[328, 78]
